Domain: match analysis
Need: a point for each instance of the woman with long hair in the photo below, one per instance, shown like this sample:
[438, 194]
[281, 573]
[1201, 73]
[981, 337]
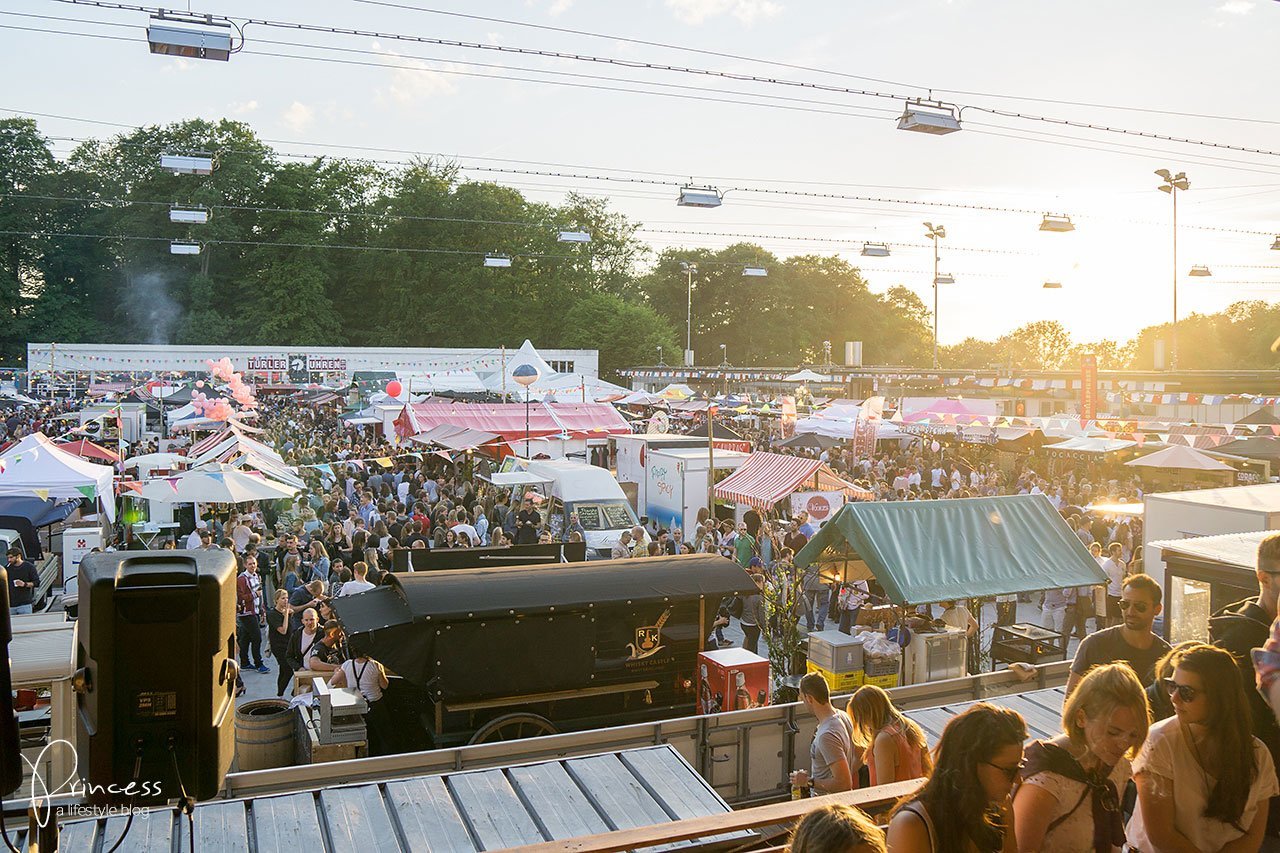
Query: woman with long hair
[279, 618]
[964, 807]
[1069, 798]
[1203, 778]
[893, 747]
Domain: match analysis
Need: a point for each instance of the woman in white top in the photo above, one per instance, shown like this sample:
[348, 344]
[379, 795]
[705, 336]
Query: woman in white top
[1203, 778]
[1069, 799]
[365, 674]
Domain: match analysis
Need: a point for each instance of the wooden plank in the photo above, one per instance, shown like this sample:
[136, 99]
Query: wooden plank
[151, 833]
[557, 805]
[492, 810]
[932, 720]
[219, 826]
[616, 793]
[1040, 723]
[287, 824]
[428, 817]
[676, 786]
[1051, 700]
[358, 821]
[79, 835]
[788, 811]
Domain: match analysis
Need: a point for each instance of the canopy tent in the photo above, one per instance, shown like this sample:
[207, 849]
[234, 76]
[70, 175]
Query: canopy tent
[462, 380]
[677, 391]
[1264, 416]
[1266, 448]
[37, 466]
[215, 484]
[640, 398]
[577, 387]
[455, 437]
[809, 440]
[1092, 445]
[1180, 457]
[766, 478]
[505, 378]
[578, 420]
[927, 551]
[240, 451]
[86, 449]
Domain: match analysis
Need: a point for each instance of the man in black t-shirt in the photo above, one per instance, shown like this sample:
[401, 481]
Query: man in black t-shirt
[23, 580]
[528, 520]
[1130, 642]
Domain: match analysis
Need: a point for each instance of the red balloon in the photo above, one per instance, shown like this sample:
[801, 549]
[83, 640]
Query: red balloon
[394, 388]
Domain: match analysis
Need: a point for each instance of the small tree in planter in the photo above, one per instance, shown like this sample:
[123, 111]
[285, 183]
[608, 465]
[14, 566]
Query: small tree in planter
[782, 637]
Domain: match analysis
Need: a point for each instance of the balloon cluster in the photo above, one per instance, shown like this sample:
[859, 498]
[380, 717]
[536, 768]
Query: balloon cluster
[220, 409]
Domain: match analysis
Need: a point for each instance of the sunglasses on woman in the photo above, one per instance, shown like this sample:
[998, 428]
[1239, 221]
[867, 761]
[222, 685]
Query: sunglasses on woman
[1010, 773]
[1185, 692]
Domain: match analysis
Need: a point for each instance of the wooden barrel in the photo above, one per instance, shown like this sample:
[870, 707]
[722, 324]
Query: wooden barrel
[264, 735]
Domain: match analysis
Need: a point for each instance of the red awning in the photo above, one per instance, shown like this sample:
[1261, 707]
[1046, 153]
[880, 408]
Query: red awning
[766, 478]
[576, 420]
[86, 449]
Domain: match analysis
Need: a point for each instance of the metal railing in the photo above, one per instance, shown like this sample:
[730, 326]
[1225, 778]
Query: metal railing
[745, 755]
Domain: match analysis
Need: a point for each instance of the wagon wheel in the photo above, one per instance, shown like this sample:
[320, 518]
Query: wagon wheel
[513, 727]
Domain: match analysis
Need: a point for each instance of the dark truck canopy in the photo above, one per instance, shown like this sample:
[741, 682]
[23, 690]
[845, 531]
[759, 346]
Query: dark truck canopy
[535, 590]
[473, 633]
[927, 551]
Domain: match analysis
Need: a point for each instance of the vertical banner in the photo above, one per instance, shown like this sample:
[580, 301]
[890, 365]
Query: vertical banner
[864, 438]
[1088, 387]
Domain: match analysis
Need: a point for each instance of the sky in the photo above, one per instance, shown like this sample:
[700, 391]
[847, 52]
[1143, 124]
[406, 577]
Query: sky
[1202, 71]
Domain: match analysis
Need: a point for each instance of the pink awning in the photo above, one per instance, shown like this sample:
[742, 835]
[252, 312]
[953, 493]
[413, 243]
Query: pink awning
[577, 420]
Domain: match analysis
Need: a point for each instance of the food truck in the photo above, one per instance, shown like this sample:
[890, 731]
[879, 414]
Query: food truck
[502, 653]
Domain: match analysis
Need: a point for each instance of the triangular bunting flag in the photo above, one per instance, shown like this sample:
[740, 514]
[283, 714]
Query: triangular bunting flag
[173, 482]
[87, 491]
[1164, 437]
[1275, 429]
[42, 494]
[258, 474]
[1140, 438]
[217, 476]
[384, 461]
[325, 468]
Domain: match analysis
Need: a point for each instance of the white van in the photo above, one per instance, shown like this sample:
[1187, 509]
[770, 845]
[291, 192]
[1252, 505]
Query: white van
[571, 486]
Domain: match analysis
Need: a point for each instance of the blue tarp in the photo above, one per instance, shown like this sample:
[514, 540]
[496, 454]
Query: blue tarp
[27, 515]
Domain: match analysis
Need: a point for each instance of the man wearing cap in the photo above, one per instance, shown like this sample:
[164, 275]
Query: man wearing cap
[193, 538]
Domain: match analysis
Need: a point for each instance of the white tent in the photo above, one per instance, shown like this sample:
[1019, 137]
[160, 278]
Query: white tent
[37, 466]
[677, 391]
[1092, 445]
[1180, 457]
[504, 379]
[460, 381]
[215, 484]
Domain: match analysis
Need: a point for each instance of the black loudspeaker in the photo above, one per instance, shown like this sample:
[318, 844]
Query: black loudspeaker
[10, 753]
[156, 675]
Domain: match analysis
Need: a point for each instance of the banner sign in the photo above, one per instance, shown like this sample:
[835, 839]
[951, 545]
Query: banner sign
[268, 363]
[1088, 387]
[326, 364]
[820, 505]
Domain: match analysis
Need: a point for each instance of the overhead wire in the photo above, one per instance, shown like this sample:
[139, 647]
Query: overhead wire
[662, 67]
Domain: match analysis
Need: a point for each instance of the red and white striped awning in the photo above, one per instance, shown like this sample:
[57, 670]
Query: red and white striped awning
[766, 478]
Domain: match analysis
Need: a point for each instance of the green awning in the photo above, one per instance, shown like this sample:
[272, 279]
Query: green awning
[927, 551]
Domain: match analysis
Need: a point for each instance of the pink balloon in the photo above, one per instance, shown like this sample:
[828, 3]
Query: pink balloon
[394, 388]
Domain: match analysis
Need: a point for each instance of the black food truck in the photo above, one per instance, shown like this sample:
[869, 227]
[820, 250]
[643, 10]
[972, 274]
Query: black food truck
[491, 654]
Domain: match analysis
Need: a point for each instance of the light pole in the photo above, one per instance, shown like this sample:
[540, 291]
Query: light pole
[724, 362]
[660, 364]
[935, 233]
[1173, 183]
[689, 270]
[526, 375]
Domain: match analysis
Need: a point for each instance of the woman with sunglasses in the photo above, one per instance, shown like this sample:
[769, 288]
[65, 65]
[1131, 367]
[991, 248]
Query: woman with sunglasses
[1069, 798]
[1203, 778]
[964, 807]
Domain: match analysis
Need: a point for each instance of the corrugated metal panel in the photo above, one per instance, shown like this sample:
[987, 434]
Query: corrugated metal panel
[462, 812]
[1042, 709]
[43, 654]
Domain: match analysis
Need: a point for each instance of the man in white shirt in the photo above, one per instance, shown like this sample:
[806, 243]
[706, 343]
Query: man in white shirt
[360, 583]
[937, 475]
[1115, 570]
[913, 477]
[900, 482]
[193, 538]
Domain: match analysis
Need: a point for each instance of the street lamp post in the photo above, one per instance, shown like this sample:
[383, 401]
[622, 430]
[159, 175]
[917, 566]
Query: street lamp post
[689, 271]
[1173, 183]
[660, 364]
[526, 375]
[935, 233]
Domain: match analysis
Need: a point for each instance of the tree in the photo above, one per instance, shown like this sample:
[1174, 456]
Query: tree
[625, 334]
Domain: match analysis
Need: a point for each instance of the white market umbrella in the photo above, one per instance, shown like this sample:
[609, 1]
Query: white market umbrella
[215, 484]
[807, 375]
[156, 460]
